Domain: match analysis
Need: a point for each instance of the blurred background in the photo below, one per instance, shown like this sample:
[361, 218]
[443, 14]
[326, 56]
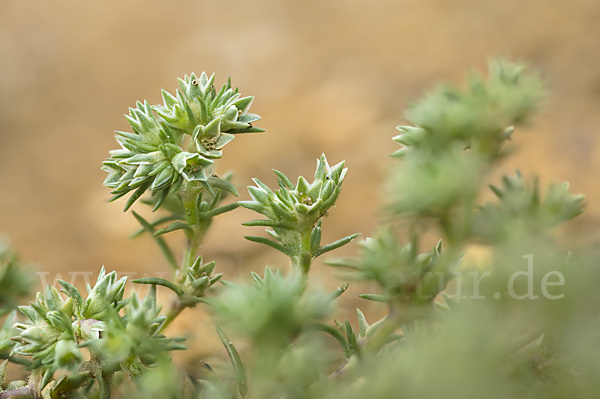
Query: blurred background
[328, 76]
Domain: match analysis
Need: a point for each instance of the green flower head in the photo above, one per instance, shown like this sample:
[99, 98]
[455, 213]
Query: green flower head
[177, 141]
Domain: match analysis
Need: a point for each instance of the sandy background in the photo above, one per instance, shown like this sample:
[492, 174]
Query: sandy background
[328, 76]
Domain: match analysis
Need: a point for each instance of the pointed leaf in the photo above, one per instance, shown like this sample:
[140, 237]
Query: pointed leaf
[375, 297]
[159, 240]
[173, 227]
[338, 336]
[374, 327]
[137, 194]
[267, 223]
[284, 181]
[272, 244]
[222, 209]
[315, 239]
[72, 292]
[339, 291]
[335, 245]
[159, 281]
[362, 323]
[223, 184]
[351, 337]
[238, 367]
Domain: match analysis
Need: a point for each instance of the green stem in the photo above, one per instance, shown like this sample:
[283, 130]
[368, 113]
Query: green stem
[176, 308]
[448, 229]
[303, 261]
[391, 323]
[29, 391]
[104, 383]
[103, 374]
[199, 226]
[194, 219]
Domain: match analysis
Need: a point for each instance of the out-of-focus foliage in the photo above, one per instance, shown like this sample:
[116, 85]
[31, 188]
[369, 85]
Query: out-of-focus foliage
[272, 310]
[15, 281]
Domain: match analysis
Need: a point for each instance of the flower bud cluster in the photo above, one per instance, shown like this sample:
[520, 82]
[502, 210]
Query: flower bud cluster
[48, 337]
[298, 206]
[199, 277]
[153, 157]
[294, 212]
[58, 327]
[135, 337]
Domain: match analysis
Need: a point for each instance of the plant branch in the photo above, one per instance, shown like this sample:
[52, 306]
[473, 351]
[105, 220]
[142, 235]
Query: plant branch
[26, 392]
[176, 308]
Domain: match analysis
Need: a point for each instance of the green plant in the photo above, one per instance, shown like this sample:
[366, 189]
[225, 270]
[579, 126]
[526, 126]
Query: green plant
[508, 332]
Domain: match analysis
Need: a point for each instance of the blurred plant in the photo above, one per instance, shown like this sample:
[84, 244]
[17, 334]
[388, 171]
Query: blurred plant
[508, 330]
[15, 280]
[522, 211]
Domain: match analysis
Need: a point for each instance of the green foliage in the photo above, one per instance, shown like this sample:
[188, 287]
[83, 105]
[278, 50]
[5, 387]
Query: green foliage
[15, 281]
[478, 116]
[522, 211]
[153, 157]
[402, 274]
[273, 309]
[59, 327]
[294, 213]
[521, 321]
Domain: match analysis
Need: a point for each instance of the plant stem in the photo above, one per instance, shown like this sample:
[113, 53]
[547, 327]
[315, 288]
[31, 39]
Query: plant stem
[104, 383]
[195, 236]
[392, 322]
[176, 308]
[192, 218]
[26, 392]
[303, 261]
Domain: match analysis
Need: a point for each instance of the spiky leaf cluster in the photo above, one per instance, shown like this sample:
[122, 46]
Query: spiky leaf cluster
[435, 185]
[294, 211]
[210, 117]
[192, 285]
[57, 328]
[457, 136]
[56, 325]
[298, 206]
[272, 309]
[350, 340]
[133, 341]
[404, 274]
[199, 277]
[522, 209]
[48, 335]
[176, 142]
[479, 116]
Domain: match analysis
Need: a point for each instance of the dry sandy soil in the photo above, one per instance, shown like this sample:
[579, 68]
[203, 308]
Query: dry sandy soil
[328, 76]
